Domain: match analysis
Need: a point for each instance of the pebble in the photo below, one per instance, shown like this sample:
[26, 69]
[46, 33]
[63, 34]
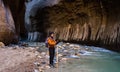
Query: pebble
[47, 56]
[43, 53]
[67, 43]
[41, 69]
[64, 59]
[60, 55]
[36, 53]
[31, 48]
[39, 56]
[74, 56]
[65, 51]
[35, 70]
[37, 47]
[16, 47]
[37, 63]
[64, 45]
[71, 45]
[47, 67]
[60, 47]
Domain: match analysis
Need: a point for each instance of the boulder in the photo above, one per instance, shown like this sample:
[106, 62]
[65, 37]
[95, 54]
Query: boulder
[2, 44]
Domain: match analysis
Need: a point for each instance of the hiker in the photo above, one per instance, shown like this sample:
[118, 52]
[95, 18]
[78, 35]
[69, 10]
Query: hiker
[51, 45]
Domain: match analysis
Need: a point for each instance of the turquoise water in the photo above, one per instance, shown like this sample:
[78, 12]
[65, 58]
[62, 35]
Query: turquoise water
[92, 59]
[95, 60]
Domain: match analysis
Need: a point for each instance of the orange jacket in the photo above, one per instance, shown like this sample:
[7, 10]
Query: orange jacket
[51, 42]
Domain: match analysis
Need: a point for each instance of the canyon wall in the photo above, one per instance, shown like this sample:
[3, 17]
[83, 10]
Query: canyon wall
[93, 22]
[7, 29]
[17, 10]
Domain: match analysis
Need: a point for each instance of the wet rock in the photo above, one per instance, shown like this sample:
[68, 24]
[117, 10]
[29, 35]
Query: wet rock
[74, 56]
[60, 46]
[64, 45]
[24, 44]
[81, 52]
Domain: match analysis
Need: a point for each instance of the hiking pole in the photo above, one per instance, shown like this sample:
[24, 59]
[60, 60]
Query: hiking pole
[57, 56]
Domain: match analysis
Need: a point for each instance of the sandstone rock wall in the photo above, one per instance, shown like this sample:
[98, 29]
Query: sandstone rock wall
[93, 22]
[7, 28]
[17, 8]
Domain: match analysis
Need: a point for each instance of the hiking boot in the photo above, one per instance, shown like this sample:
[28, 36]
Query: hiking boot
[52, 66]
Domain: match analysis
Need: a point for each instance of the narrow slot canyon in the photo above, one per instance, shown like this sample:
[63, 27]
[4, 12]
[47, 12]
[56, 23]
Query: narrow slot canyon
[92, 22]
[87, 31]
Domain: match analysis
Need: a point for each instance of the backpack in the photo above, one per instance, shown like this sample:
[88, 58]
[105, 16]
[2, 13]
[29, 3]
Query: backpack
[46, 42]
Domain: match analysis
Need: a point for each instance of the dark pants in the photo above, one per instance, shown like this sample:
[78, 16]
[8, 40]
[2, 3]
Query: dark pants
[51, 54]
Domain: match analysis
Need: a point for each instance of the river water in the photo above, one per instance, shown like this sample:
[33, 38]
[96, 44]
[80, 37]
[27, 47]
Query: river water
[88, 59]
[95, 60]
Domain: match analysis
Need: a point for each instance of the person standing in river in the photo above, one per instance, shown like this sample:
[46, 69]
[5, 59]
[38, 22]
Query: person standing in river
[51, 45]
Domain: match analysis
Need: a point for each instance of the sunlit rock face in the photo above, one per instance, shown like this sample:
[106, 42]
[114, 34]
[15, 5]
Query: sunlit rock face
[7, 29]
[95, 22]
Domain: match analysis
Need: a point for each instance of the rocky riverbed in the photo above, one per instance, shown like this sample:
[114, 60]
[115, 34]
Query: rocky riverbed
[16, 59]
[34, 57]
